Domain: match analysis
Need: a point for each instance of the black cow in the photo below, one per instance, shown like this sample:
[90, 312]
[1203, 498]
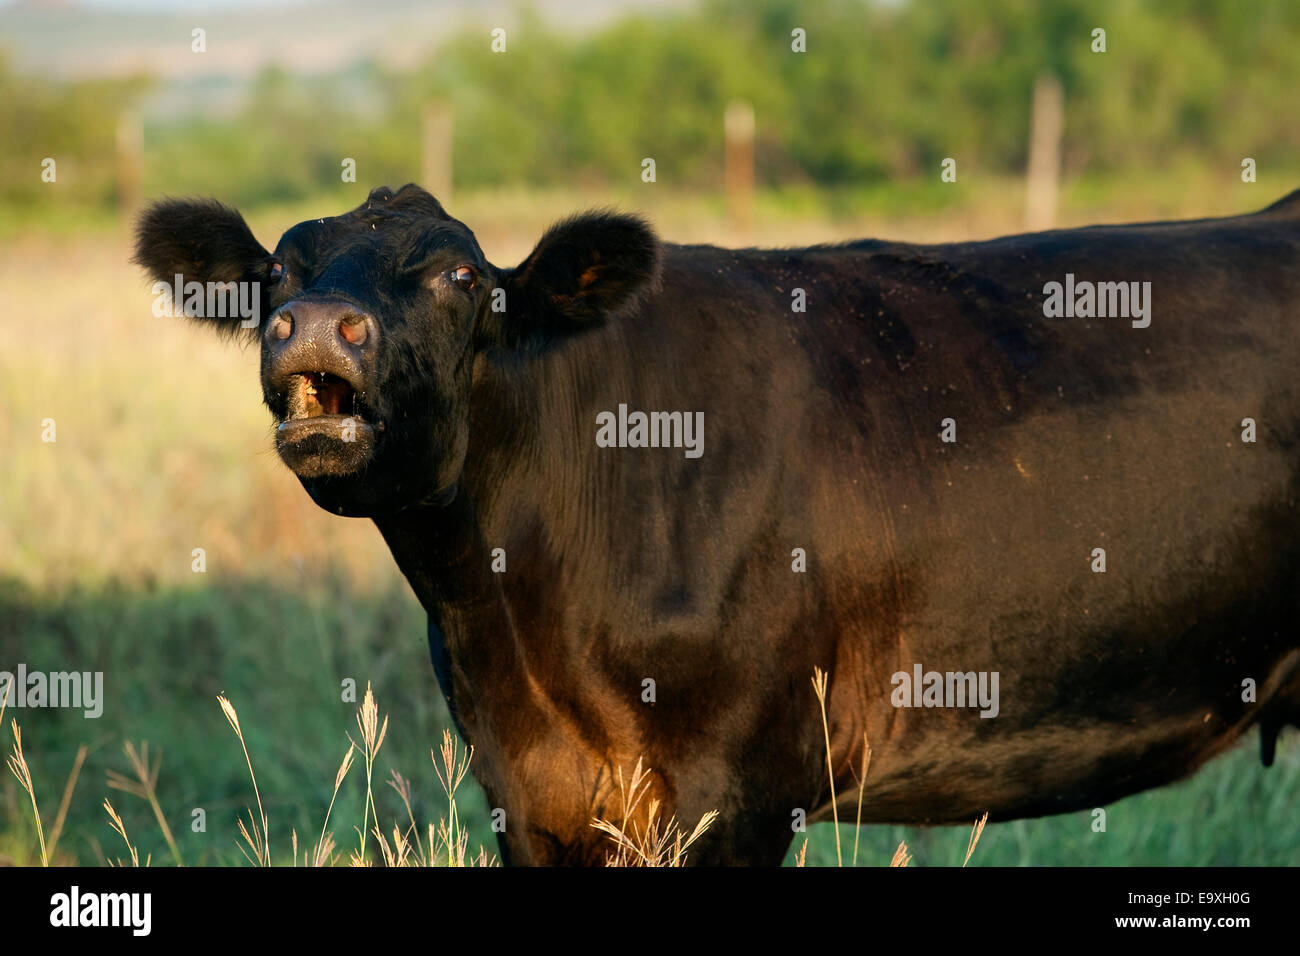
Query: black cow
[915, 462]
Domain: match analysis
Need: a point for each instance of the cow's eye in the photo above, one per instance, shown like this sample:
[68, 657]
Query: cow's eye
[464, 277]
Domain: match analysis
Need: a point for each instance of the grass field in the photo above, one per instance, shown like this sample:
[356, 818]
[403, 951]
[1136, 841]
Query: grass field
[162, 447]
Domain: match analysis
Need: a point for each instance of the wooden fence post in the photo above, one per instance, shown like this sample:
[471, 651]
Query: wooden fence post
[1042, 181]
[738, 129]
[436, 151]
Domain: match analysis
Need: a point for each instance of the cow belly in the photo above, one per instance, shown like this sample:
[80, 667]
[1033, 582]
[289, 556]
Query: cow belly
[1109, 681]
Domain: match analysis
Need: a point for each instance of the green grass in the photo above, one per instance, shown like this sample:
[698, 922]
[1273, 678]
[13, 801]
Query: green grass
[1233, 813]
[281, 657]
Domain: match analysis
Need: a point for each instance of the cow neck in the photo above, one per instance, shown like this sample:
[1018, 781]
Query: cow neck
[440, 549]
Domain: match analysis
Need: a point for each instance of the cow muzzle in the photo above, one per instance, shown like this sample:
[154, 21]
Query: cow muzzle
[315, 355]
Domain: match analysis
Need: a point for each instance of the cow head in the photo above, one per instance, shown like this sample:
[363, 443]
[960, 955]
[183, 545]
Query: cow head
[370, 322]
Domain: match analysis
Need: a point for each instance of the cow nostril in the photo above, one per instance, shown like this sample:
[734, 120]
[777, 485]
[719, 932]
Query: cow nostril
[354, 332]
[282, 328]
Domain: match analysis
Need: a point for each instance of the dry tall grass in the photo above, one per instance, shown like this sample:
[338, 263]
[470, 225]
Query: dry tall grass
[640, 837]
[17, 763]
[447, 842]
[902, 856]
[655, 842]
[145, 786]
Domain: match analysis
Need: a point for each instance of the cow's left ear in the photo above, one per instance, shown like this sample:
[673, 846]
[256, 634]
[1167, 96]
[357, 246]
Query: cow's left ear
[585, 270]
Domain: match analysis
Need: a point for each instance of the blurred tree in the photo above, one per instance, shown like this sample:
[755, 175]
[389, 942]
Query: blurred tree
[884, 91]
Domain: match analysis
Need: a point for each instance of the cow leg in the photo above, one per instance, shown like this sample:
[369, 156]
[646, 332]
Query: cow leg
[739, 836]
[552, 798]
[755, 810]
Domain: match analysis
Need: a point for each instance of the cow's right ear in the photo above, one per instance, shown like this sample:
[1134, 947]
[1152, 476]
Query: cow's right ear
[200, 240]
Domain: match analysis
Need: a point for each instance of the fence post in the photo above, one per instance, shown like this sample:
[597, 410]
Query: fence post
[738, 129]
[1042, 182]
[436, 151]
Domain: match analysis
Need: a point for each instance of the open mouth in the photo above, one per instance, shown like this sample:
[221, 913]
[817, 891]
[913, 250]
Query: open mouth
[325, 429]
[312, 394]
